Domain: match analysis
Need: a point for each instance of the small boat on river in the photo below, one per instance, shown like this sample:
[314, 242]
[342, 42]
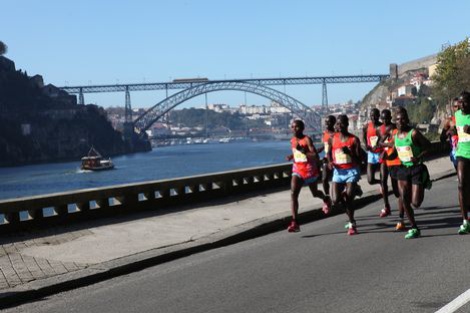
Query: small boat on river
[94, 161]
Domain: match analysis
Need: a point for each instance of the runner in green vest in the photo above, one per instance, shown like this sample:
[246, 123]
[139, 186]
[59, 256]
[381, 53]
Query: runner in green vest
[462, 123]
[412, 174]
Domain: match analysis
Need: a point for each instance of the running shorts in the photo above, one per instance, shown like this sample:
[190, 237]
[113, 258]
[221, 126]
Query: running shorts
[418, 175]
[342, 176]
[306, 181]
[392, 170]
[453, 157]
[373, 158]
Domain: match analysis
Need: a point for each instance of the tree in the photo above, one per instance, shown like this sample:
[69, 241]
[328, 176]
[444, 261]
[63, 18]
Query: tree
[3, 48]
[452, 72]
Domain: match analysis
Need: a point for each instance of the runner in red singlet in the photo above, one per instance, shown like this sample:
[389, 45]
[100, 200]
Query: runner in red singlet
[369, 133]
[344, 158]
[305, 171]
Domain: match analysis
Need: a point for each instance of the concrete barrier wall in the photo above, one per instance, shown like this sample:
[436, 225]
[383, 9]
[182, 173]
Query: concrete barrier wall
[53, 209]
[28, 212]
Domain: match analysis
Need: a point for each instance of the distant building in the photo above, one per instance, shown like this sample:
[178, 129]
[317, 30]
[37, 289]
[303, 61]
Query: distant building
[432, 70]
[55, 92]
[253, 109]
[405, 90]
[219, 108]
[418, 80]
[277, 108]
[37, 81]
[403, 101]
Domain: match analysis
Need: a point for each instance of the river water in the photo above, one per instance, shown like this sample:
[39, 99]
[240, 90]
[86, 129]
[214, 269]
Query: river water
[160, 163]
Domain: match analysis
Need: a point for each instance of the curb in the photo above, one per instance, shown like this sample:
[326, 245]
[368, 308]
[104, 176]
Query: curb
[100, 272]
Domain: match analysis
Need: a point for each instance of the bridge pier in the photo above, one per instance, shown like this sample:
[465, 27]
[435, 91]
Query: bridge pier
[128, 108]
[81, 98]
[324, 99]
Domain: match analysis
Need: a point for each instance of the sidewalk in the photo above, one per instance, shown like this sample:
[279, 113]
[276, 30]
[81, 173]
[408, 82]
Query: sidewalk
[56, 259]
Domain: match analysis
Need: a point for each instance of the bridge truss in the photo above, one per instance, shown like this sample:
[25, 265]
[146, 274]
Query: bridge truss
[257, 81]
[197, 87]
[298, 109]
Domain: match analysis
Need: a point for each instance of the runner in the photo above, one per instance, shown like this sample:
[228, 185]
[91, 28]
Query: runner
[304, 171]
[412, 175]
[344, 159]
[371, 138]
[392, 162]
[326, 172]
[449, 132]
[462, 122]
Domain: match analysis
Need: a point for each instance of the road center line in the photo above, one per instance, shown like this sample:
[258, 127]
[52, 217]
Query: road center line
[458, 302]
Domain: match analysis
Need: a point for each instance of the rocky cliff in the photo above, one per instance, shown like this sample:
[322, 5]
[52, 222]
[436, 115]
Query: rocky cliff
[44, 124]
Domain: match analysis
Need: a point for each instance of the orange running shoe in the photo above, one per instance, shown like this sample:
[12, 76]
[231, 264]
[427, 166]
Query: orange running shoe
[400, 226]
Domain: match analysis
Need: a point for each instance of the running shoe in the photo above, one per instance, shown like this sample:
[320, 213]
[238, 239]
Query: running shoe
[464, 228]
[293, 227]
[385, 212]
[352, 230]
[413, 233]
[347, 225]
[400, 226]
[326, 206]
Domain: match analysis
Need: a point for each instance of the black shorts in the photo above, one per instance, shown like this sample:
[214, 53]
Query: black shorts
[464, 160]
[392, 171]
[416, 174]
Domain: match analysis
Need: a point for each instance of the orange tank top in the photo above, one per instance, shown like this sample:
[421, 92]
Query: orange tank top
[389, 151]
[325, 138]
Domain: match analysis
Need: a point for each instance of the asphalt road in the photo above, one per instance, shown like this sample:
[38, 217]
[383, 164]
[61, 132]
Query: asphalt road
[320, 269]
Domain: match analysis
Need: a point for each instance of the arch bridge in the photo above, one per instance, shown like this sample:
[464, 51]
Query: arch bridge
[195, 87]
[298, 109]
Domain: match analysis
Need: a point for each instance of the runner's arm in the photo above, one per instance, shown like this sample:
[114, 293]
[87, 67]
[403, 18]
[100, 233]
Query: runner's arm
[356, 151]
[422, 142]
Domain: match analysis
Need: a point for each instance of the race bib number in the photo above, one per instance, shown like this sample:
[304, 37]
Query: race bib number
[386, 148]
[405, 153]
[299, 157]
[373, 141]
[327, 147]
[341, 157]
[463, 136]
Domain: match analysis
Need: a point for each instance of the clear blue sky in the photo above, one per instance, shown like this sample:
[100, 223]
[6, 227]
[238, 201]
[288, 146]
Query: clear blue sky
[107, 42]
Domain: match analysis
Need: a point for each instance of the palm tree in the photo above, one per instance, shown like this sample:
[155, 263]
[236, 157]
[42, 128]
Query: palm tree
[3, 48]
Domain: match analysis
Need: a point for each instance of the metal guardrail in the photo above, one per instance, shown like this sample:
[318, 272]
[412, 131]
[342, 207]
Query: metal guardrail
[28, 212]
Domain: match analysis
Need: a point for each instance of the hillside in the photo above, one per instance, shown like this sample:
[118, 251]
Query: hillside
[41, 123]
[404, 72]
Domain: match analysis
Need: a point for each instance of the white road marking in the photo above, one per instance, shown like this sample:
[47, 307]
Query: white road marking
[457, 303]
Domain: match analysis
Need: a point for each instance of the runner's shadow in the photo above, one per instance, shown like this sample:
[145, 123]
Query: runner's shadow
[449, 222]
